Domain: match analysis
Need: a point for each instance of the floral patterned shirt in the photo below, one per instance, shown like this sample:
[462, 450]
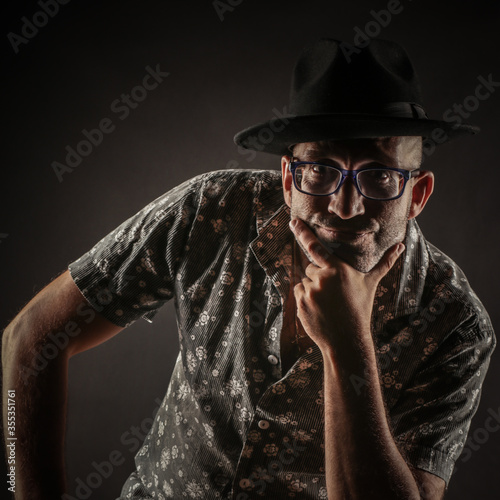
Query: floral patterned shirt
[234, 424]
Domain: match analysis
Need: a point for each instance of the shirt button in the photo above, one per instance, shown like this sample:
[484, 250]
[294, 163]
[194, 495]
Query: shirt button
[263, 424]
[272, 359]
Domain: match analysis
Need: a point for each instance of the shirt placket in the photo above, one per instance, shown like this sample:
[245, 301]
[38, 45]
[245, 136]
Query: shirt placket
[273, 249]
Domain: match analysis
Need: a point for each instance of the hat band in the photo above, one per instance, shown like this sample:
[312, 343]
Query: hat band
[404, 110]
[400, 109]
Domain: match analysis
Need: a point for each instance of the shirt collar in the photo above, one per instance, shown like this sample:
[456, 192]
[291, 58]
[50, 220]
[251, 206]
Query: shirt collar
[401, 290]
[273, 247]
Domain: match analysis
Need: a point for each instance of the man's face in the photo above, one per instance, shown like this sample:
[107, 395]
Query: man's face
[357, 229]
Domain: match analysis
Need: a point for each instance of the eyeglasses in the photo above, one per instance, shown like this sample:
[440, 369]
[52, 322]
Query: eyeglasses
[373, 182]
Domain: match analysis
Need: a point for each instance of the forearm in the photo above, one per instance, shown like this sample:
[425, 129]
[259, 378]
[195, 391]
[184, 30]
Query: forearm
[362, 459]
[40, 406]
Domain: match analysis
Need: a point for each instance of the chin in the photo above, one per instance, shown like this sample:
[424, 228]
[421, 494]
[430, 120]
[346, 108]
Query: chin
[361, 261]
[360, 264]
[364, 266]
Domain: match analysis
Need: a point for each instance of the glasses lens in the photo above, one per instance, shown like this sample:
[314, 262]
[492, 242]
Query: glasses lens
[380, 184]
[317, 179]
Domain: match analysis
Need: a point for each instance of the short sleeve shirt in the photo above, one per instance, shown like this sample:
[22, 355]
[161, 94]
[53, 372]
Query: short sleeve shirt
[234, 424]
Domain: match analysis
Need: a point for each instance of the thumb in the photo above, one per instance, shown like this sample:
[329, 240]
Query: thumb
[387, 261]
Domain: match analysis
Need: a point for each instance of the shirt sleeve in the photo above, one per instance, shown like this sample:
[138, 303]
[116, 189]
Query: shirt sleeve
[130, 273]
[432, 417]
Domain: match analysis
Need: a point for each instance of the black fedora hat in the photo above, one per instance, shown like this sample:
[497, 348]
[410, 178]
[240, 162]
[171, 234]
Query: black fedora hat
[369, 91]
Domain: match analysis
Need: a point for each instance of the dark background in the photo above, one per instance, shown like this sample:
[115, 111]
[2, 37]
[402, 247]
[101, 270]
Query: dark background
[224, 76]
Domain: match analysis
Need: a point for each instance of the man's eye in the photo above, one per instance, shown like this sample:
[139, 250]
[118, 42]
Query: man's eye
[378, 175]
[319, 169]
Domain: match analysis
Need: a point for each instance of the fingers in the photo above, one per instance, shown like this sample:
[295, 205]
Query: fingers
[309, 243]
[387, 261]
[298, 290]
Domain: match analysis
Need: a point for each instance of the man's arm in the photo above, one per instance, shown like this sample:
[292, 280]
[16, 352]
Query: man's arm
[36, 346]
[334, 305]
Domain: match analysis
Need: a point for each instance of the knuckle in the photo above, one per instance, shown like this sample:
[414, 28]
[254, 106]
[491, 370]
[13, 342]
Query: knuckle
[311, 246]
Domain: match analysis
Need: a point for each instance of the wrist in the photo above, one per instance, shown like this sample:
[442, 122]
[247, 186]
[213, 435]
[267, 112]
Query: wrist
[346, 338]
[350, 354]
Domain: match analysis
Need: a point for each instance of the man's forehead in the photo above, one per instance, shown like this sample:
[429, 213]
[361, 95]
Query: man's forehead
[400, 150]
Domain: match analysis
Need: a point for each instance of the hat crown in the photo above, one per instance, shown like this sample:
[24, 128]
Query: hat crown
[344, 92]
[333, 77]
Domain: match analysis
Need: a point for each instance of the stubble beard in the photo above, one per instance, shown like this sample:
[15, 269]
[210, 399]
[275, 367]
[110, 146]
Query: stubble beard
[365, 254]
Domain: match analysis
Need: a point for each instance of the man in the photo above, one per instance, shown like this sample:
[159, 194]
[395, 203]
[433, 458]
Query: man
[327, 349]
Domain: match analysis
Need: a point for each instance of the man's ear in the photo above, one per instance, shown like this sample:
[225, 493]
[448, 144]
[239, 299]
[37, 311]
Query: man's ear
[287, 179]
[423, 185]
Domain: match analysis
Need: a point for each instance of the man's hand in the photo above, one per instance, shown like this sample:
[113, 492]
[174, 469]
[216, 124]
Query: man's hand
[333, 297]
[334, 305]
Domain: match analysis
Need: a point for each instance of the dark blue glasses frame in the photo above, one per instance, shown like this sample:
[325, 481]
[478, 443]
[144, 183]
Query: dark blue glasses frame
[407, 175]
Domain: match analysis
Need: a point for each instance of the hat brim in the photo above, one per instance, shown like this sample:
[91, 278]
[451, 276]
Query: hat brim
[277, 135]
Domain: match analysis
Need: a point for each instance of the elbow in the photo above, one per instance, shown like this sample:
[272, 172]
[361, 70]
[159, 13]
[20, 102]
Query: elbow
[17, 356]
[13, 360]
[10, 343]
[26, 351]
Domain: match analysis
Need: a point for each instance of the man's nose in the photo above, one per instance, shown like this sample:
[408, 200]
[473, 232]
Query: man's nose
[347, 202]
